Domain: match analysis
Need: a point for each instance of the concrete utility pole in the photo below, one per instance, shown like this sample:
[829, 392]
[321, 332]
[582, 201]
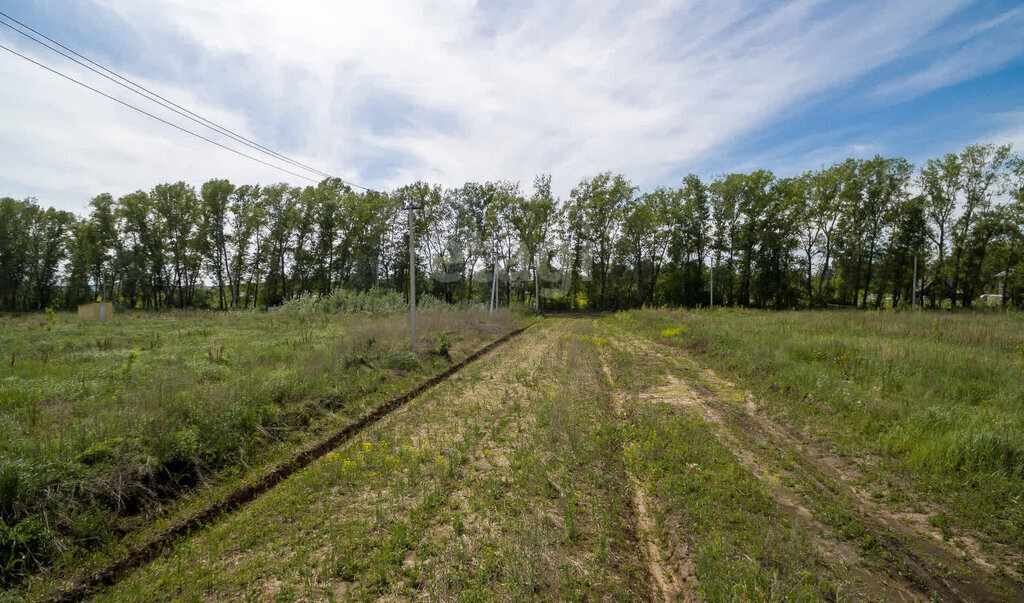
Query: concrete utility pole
[536, 290]
[913, 289]
[494, 282]
[712, 297]
[412, 280]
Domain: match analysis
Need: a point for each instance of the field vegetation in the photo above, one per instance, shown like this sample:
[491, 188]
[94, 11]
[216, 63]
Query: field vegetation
[104, 422]
[722, 454]
[922, 413]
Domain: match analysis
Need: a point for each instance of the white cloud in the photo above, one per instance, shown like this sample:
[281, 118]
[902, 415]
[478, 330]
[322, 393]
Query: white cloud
[1009, 129]
[980, 50]
[566, 88]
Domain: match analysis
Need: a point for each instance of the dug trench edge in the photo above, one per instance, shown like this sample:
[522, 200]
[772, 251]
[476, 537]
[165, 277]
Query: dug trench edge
[152, 548]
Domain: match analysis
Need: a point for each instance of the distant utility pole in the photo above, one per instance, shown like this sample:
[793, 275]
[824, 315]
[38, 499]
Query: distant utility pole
[412, 278]
[712, 296]
[494, 281]
[913, 289]
[536, 289]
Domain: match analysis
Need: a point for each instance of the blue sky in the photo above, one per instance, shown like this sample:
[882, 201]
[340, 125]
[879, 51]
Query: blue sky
[387, 92]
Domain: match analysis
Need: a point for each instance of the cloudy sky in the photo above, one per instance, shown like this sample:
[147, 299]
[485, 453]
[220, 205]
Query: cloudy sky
[386, 92]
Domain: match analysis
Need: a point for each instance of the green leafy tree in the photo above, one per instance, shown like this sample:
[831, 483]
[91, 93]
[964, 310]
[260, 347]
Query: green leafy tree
[177, 209]
[216, 199]
[940, 181]
[598, 204]
[245, 220]
[982, 176]
[47, 248]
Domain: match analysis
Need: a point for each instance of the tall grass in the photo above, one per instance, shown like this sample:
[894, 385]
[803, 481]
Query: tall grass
[375, 302]
[936, 398]
[102, 421]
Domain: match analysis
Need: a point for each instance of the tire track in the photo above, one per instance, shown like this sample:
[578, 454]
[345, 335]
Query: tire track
[140, 554]
[914, 555]
[673, 581]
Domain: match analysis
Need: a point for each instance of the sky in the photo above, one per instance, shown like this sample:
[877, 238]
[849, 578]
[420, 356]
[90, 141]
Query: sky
[384, 93]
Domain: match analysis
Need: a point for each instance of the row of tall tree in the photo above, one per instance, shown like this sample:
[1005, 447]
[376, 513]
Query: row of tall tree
[853, 233]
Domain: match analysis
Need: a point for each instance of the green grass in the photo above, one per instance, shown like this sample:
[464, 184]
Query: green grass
[931, 404]
[503, 483]
[518, 477]
[744, 547]
[102, 421]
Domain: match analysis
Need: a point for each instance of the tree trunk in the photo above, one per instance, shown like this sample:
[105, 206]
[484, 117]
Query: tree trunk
[810, 278]
[824, 268]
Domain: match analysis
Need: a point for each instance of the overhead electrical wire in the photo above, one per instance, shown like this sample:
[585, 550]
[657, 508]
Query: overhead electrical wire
[136, 88]
[148, 114]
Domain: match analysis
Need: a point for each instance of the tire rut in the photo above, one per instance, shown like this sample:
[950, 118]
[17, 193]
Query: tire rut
[915, 554]
[672, 581]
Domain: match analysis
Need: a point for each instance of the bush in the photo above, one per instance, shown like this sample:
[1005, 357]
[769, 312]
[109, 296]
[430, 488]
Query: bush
[343, 301]
[23, 547]
[375, 302]
[402, 361]
[444, 345]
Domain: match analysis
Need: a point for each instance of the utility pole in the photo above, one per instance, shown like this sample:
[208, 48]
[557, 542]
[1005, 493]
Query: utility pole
[536, 290]
[712, 297]
[412, 279]
[494, 281]
[913, 294]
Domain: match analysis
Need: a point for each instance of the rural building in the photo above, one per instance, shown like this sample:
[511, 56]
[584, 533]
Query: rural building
[101, 311]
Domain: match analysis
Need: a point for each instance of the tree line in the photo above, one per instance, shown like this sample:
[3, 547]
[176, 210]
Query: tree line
[848, 234]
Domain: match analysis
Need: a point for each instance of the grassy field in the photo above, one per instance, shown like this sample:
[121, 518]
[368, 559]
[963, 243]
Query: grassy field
[102, 422]
[932, 404]
[918, 416]
[509, 482]
[669, 455]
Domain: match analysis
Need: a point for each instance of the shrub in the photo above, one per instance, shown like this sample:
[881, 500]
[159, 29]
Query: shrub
[23, 547]
[444, 345]
[402, 361]
[374, 302]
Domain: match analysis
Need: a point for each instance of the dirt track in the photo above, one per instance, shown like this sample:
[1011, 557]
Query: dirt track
[520, 402]
[917, 564]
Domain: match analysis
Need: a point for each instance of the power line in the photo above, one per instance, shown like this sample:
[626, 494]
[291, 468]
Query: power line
[148, 114]
[162, 101]
[141, 90]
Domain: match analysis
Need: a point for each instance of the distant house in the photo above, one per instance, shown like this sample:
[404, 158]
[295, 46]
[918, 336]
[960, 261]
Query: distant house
[937, 288]
[991, 298]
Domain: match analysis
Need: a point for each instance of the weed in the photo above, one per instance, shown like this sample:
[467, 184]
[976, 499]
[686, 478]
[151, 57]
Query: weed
[51, 319]
[401, 361]
[217, 354]
[129, 362]
[944, 523]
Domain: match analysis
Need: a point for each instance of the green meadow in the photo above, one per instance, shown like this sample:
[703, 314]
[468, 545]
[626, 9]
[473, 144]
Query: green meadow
[105, 422]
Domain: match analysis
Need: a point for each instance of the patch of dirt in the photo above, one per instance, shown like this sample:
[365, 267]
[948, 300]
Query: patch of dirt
[343, 590]
[270, 587]
[830, 474]
[676, 393]
[832, 549]
[673, 581]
